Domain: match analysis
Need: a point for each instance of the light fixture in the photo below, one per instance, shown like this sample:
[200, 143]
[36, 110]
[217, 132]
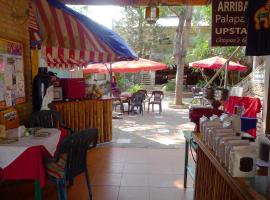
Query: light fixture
[151, 14]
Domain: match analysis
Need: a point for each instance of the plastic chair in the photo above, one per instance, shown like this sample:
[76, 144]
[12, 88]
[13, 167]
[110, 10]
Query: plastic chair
[137, 101]
[146, 98]
[47, 119]
[70, 160]
[117, 100]
[156, 98]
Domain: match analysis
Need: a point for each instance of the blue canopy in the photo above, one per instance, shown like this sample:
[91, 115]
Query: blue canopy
[63, 29]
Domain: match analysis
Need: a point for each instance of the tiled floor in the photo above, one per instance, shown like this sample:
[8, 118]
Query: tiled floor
[154, 172]
[120, 174]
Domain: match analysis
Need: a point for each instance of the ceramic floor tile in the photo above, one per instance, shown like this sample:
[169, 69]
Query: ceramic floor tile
[134, 173]
[133, 193]
[108, 179]
[164, 180]
[179, 181]
[110, 167]
[138, 157]
[77, 193]
[165, 194]
[136, 168]
[123, 141]
[160, 169]
[178, 169]
[104, 193]
[187, 194]
[138, 180]
[112, 158]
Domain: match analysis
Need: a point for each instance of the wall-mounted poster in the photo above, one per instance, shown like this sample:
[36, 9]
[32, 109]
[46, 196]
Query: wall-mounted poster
[11, 74]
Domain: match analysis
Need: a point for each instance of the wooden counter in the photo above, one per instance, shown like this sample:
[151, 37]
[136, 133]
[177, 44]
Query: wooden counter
[83, 114]
[214, 182]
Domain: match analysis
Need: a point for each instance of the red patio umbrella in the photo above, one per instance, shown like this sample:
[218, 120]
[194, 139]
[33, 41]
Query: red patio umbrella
[216, 63]
[125, 66]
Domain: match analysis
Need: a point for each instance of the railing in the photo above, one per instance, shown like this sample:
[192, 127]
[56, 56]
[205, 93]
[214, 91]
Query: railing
[256, 90]
[245, 83]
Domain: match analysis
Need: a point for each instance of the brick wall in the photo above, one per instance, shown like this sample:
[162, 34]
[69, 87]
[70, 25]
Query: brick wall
[16, 29]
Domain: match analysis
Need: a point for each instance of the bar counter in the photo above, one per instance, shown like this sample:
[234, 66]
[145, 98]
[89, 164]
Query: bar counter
[84, 114]
[214, 182]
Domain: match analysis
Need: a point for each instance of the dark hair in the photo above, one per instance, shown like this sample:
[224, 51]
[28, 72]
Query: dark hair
[52, 73]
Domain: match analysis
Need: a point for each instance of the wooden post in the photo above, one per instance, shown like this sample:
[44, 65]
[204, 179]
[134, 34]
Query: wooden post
[226, 75]
[110, 79]
[266, 105]
[254, 63]
[34, 62]
[220, 69]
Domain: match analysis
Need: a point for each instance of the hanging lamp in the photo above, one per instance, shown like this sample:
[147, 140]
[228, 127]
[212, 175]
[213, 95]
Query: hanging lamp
[151, 14]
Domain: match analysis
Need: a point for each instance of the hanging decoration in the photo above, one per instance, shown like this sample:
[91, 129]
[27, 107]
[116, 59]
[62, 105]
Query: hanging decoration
[151, 14]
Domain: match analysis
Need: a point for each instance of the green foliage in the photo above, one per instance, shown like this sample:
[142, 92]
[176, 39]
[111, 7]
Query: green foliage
[200, 44]
[133, 27]
[200, 49]
[201, 15]
[169, 11]
[168, 60]
[135, 88]
[201, 83]
[88, 76]
[120, 82]
[170, 86]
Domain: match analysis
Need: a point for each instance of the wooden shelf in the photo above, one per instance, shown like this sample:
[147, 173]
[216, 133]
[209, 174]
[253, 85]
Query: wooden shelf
[214, 182]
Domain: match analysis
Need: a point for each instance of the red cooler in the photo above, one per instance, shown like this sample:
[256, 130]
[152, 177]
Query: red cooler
[73, 88]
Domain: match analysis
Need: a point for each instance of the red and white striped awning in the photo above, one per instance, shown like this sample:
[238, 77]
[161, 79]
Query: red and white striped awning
[66, 41]
[62, 57]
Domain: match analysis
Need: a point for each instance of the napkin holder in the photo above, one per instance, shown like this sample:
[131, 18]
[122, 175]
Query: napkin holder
[9, 118]
[16, 133]
[264, 147]
[242, 161]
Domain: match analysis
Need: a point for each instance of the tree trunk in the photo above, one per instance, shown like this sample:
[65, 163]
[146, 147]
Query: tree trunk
[180, 51]
[140, 37]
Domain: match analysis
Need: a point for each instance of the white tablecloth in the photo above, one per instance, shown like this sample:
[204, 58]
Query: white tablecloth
[9, 152]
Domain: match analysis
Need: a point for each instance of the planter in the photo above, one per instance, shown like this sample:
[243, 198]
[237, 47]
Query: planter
[221, 94]
[208, 93]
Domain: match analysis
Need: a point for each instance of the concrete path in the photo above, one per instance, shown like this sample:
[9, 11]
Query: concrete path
[152, 130]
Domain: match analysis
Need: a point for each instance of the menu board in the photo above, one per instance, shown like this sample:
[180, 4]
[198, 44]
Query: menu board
[12, 90]
[229, 27]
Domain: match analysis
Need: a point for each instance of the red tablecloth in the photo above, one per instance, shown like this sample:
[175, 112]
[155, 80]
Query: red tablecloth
[196, 113]
[29, 165]
[251, 105]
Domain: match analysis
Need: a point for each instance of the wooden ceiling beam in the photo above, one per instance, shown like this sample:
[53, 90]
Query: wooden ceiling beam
[138, 2]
